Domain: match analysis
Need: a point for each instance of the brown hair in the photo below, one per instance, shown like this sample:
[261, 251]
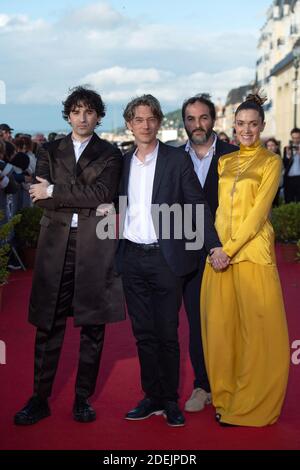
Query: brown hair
[253, 101]
[144, 100]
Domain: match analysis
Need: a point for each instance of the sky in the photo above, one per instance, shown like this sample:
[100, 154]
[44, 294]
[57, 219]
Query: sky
[170, 48]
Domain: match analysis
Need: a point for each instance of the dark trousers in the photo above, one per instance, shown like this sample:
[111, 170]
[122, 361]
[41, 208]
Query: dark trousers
[48, 344]
[292, 189]
[153, 294]
[191, 296]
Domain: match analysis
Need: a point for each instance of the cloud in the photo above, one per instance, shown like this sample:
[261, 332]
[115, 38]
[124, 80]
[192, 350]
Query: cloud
[97, 15]
[19, 23]
[120, 56]
[125, 76]
[119, 84]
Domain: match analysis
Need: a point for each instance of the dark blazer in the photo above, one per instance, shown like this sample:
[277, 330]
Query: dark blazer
[78, 188]
[212, 180]
[174, 182]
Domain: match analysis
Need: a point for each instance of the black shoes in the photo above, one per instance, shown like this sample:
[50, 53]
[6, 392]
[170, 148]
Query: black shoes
[145, 408]
[218, 418]
[148, 407]
[35, 410]
[227, 425]
[38, 408]
[173, 414]
[83, 411]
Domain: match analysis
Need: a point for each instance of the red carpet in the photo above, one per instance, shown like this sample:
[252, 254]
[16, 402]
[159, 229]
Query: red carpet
[118, 390]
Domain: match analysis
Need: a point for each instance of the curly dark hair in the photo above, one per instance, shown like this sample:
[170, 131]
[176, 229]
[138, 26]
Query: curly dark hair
[83, 95]
[203, 98]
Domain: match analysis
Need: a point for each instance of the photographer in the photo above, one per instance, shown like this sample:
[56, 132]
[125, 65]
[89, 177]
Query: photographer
[291, 161]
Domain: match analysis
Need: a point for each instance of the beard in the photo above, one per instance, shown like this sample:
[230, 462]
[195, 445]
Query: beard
[200, 140]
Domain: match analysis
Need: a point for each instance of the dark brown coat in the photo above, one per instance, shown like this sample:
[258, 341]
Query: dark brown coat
[78, 188]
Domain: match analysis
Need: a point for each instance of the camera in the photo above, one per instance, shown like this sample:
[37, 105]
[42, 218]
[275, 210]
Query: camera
[294, 148]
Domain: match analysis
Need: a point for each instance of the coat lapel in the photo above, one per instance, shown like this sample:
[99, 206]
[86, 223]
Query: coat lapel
[90, 153]
[160, 167]
[213, 170]
[126, 171]
[66, 150]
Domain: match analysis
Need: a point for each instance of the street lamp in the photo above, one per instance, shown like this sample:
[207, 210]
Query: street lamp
[296, 62]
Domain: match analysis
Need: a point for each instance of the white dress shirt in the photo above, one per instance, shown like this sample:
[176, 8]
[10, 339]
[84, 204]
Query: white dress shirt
[201, 165]
[138, 226]
[78, 149]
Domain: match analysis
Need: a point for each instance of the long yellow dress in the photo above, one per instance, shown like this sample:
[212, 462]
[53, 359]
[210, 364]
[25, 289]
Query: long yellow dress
[244, 328]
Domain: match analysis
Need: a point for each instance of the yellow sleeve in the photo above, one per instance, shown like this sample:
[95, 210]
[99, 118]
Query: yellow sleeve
[220, 166]
[261, 209]
[220, 171]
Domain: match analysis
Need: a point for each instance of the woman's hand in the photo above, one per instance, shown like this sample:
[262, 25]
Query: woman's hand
[219, 259]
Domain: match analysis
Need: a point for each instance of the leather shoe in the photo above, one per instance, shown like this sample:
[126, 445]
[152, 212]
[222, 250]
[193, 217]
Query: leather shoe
[227, 425]
[173, 414]
[144, 409]
[83, 411]
[35, 410]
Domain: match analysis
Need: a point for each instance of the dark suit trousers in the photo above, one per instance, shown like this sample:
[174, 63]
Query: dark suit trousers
[191, 296]
[48, 344]
[153, 295]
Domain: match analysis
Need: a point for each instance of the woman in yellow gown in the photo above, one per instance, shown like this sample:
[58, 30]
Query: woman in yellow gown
[244, 328]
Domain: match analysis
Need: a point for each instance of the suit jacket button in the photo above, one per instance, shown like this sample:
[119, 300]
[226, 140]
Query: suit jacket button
[72, 180]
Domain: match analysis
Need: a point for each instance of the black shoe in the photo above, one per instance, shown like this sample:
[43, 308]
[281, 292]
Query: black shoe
[145, 408]
[83, 411]
[35, 410]
[227, 425]
[173, 414]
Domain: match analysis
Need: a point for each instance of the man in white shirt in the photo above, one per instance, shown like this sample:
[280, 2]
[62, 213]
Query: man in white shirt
[152, 264]
[204, 148]
[74, 268]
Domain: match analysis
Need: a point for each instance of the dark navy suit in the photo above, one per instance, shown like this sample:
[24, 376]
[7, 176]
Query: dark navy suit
[192, 283]
[153, 278]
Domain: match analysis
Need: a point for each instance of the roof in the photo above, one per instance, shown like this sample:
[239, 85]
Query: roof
[286, 61]
[237, 95]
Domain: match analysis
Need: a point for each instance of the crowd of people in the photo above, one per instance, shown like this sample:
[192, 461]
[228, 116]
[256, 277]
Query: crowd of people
[19, 152]
[239, 346]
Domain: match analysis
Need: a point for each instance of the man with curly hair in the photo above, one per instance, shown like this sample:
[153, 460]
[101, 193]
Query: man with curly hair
[74, 268]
